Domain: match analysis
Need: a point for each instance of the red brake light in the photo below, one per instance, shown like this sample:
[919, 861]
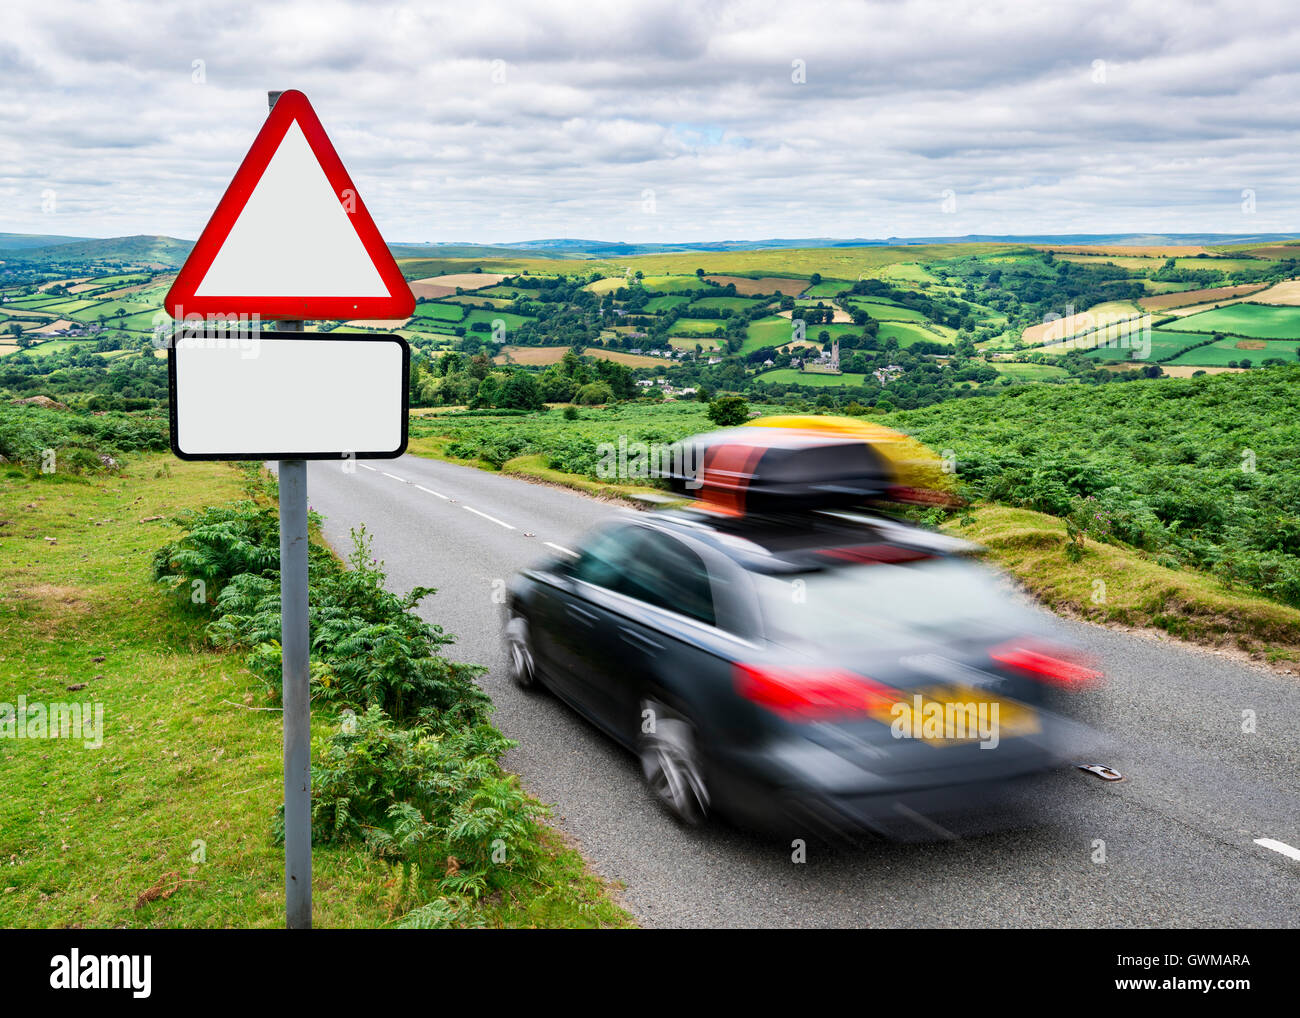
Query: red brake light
[1045, 664]
[811, 694]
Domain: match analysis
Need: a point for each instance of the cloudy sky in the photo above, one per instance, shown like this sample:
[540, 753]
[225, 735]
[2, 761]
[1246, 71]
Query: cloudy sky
[662, 121]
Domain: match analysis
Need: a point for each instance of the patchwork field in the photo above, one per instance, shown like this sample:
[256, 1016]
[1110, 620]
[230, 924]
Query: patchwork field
[1187, 297]
[1257, 321]
[696, 326]
[791, 376]
[544, 355]
[1231, 352]
[838, 315]
[442, 312]
[762, 285]
[445, 285]
[907, 334]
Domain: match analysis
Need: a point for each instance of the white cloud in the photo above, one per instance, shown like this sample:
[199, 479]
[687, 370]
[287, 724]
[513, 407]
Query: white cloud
[493, 122]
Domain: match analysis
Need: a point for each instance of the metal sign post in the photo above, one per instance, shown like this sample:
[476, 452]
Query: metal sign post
[295, 670]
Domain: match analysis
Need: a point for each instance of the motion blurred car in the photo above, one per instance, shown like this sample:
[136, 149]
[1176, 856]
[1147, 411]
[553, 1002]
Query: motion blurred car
[779, 667]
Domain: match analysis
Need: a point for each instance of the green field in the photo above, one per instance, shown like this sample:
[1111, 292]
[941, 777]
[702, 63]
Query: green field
[792, 376]
[1030, 372]
[1164, 344]
[829, 288]
[1255, 321]
[663, 303]
[887, 311]
[724, 303]
[696, 326]
[908, 334]
[691, 342]
[1223, 352]
[770, 331]
[441, 312]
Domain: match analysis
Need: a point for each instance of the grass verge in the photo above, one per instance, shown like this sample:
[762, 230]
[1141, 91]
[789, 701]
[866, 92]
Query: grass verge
[1119, 585]
[168, 824]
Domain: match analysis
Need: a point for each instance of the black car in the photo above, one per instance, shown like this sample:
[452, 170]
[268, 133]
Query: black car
[781, 669]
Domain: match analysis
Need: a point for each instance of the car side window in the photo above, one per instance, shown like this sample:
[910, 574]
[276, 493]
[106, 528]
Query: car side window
[664, 572]
[604, 561]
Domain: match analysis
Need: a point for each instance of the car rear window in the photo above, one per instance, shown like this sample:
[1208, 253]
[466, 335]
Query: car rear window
[877, 603]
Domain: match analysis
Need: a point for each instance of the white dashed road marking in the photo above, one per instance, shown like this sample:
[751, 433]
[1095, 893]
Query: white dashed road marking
[364, 467]
[499, 523]
[429, 491]
[393, 476]
[1279, 846]
[561, 548]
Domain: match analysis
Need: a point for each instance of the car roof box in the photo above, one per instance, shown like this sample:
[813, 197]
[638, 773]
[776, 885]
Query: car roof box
[780, 464]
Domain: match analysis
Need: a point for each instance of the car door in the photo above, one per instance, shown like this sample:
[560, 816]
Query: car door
[645, 625]
[574, 624]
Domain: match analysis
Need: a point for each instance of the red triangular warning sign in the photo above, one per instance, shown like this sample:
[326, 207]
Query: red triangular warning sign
[291, 237]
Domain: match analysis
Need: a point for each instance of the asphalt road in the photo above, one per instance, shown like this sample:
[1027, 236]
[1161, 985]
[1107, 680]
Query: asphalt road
[1179, 832]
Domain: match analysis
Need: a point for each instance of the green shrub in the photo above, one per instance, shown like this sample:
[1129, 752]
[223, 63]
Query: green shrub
[432, 796]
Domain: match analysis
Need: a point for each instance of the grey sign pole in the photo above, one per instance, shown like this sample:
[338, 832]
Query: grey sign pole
[294, 651]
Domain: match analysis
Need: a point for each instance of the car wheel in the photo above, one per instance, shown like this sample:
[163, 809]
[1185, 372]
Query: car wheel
[519, 651]
[671, 763]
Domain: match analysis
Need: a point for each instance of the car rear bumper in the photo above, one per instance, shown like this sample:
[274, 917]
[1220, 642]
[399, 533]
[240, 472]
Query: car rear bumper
[823, 796]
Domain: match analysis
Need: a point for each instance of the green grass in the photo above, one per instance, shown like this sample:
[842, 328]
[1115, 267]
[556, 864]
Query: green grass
[828, 288]
[1163, 344]
[1029, 372]
[183, 760]
[440, 312]
[771, 331]
[55, 345]
[908, 333]
[512, 320]
[663, 303]
[1255, 321]
[1138, 591]
[887, 311]
[1221, 352]
[696, 326]
[792, 376]
[721, 303]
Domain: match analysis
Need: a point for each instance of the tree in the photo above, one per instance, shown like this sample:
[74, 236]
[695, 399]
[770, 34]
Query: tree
[728, 411]
[520, 392]
[594, 393]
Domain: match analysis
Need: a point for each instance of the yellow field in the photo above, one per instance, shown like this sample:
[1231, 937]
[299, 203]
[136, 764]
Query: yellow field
[746, 287]
[377, 323]
[1187, 370]
[1185, 298]
[538, 355]
[1285, 292]
[1085, 321]
[840, 317]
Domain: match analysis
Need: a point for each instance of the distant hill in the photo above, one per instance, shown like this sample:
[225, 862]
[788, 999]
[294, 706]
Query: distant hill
[145, 250]
[19, 241]
[140, 251]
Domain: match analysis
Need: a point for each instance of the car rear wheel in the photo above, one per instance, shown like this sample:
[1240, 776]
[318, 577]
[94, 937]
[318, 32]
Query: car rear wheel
[671, 763]
[519, 651]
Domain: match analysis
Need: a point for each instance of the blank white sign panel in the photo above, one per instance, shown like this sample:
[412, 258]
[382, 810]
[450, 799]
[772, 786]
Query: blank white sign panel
[288, 398]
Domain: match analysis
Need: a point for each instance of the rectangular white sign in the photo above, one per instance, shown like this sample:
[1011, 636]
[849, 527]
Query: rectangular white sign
[288, 395]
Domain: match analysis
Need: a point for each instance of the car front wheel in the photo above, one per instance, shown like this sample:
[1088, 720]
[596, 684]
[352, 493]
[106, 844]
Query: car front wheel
[519, 652]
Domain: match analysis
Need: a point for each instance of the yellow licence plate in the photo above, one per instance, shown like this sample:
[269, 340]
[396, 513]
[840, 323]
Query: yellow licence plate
[944, 715]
